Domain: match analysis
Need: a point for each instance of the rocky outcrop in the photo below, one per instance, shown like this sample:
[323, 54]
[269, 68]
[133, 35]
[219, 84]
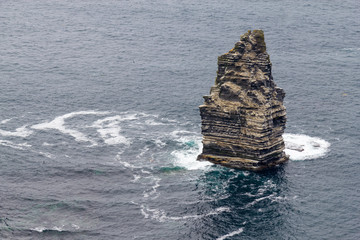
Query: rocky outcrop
[243, 118]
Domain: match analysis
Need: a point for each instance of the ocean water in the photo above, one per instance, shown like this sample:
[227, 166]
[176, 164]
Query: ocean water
[100, 128]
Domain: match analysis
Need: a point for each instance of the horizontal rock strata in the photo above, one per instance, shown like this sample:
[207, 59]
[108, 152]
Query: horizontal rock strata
[243, 118]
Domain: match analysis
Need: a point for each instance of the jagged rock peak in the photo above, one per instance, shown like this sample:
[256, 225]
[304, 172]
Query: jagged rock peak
[243, 118]
[251, 41]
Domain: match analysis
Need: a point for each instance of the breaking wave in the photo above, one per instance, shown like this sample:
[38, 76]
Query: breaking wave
[186, 156]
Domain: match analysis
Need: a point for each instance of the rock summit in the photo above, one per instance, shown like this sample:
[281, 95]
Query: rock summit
[243, 118]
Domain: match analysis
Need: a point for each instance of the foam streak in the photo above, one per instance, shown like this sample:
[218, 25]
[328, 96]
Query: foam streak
[240, 230]
[109, 129]
[19, 132]
[59, 124]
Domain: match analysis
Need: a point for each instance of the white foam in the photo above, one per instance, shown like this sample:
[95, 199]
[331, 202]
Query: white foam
[59, 124]
[19, 132]
[152, 122]
[187, 157]
[240, 230]
[351, 49]
[159, 143]
[111, 136]
[62, 228]
[142, 152]
[20, 146]
[5, 121]
[271, 197]
[161, 216]
[42, 229]
[302, 147]
[143, 212]
[116, 118]
[214, 212]
[218, 211]
[124, 163]
[59, 229]
[48, 144]
[48, 155]
[145, 172]
[109, 129]
[75, 226]
[39, 229]
[153, 191]
[136, 178]
[156, 214]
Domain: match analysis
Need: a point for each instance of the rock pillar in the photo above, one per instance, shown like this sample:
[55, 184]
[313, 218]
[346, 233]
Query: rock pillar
[243, 118]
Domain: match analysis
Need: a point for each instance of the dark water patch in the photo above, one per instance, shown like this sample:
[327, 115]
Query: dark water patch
[256, 203]
[85, 171]
[169, 170]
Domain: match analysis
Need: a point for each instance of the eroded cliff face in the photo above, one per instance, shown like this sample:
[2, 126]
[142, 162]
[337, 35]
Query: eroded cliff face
[243, 118]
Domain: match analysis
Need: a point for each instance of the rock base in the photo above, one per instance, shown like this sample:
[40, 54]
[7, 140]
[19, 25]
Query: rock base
[242, 163]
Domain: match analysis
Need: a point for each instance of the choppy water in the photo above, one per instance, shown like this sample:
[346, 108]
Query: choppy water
[100, 128]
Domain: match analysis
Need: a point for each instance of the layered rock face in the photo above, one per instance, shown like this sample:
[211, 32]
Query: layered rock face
[243, 118]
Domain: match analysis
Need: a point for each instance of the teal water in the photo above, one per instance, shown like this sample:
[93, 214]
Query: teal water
[100, 128]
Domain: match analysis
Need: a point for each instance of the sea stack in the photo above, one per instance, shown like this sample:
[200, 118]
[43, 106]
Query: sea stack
[243, 118]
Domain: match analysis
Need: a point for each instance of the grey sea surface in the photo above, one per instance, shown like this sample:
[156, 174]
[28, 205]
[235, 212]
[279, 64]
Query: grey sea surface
[100, 127]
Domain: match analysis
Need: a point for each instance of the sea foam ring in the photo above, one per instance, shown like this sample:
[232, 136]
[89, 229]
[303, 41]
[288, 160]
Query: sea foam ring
[303, 147]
